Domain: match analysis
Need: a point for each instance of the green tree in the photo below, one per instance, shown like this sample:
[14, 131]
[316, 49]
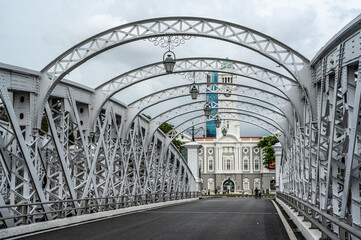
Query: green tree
[147, 116]
[266, 144]
[166, 127]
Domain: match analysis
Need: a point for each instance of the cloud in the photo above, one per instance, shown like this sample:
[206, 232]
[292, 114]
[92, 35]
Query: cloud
[91, 25]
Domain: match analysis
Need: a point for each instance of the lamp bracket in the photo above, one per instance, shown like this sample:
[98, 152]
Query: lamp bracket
[169, 41]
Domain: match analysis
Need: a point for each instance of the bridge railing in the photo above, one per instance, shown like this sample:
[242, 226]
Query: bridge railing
[69, 208]
[320, 219]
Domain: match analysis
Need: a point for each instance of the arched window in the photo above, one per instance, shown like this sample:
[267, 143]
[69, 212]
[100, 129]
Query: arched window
[245, 164]
[256, 164]
[245, 184]
[272, 185]
[228, 164]
[257, 183]
[210, 164]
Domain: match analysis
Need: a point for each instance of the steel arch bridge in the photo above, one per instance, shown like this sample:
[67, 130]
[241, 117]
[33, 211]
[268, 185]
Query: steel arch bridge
[64, 144]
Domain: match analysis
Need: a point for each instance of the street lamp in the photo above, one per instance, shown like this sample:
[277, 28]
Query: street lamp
[169, 61]
[194, 89]
[207, 110]
[218, 122]
[228, 92]
[224, 131]
[194, 131]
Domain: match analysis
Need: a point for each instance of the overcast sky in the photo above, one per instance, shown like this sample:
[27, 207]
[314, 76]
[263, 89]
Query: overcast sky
[34, 32]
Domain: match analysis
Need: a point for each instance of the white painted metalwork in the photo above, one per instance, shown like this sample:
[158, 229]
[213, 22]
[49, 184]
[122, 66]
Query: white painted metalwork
[63, 141]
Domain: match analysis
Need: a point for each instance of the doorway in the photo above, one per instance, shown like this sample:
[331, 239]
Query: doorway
[228, 185]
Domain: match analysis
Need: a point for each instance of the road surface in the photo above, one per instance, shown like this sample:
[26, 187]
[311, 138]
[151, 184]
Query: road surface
[212, 218]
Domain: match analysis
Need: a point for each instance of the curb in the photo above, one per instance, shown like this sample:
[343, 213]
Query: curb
[303, 226]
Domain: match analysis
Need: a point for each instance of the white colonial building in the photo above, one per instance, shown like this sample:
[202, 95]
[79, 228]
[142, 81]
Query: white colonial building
[234, 163]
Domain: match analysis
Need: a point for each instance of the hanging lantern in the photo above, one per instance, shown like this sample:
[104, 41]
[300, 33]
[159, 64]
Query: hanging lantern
[228, 92]
[193, 90]
[207, 110]
[217, 122]
[224, 131]
[169, 61]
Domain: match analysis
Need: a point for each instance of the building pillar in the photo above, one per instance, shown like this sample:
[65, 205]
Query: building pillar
[236, 159]
[278, 154]
[193, 163]
[251, 160]
[220, 160]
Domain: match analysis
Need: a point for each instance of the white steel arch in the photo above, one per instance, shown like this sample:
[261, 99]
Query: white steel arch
[288, 86]
[202, 27]
[194, 107]
[140, 105]
[244, 117]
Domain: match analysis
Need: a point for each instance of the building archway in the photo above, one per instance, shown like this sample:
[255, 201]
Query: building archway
[257, 183]
[273, 185]
[228, 186]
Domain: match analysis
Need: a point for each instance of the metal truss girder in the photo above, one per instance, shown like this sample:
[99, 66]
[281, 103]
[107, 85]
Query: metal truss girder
[283, 83]
[60, 152]
[232, 117]
[24, 149]
[270, 127]
[268, 114]
[84, 145]
[199, 105]
[140, 105]
[285, 56]
[191, 26]
[120, 82]
[351, 145]
[182, 90]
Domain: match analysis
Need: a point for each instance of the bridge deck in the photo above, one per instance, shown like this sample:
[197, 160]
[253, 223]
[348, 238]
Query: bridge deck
[213, 218]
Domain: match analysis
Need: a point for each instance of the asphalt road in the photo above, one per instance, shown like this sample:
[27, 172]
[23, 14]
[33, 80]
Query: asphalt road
[213, 218]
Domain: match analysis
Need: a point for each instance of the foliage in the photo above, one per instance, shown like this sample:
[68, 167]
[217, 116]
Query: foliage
[166, 127]
[44, 126]
[147, 116]
[178, 144]
[266, 144]
[3, 116]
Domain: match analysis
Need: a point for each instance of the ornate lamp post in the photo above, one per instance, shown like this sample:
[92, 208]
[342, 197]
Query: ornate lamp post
[169, 61]
[207, 110]
[194, 88]
[218, 122]
[169, 42]
[194, 131]
[228, 92]
[224, 131]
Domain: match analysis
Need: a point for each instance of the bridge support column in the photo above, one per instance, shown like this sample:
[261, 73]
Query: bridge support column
[193, 163]
[278, 155]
